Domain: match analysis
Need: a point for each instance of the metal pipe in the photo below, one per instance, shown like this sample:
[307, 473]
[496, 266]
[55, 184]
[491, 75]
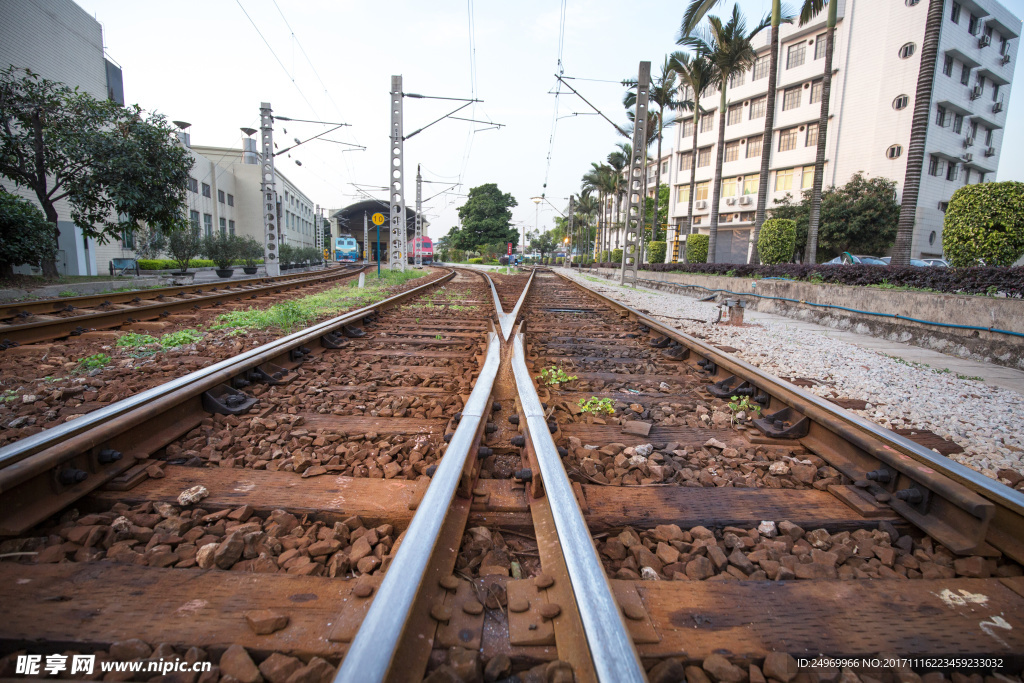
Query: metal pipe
[376, 643]
[611, 647]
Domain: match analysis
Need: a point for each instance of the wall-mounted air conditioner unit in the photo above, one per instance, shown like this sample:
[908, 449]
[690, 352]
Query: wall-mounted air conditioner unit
[700, 204]
[990, 151]
[975, 92]
[745, 200]
[967, 158]
[968, 141]
[1005, 59]
[997, 107]
[730, 200]
[984, 41]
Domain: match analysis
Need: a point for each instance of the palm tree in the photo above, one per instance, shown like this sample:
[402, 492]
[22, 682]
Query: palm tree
[918, 131]
[618, 161]
[810, 9]
[663, 93]
[730, 49]
[697, 73]
[586, 208]
[600, 179]
[693, 16]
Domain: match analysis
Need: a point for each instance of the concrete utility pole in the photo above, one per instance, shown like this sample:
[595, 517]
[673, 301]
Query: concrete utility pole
[632, 248]
[396, 170]
[417, 242]
[366, 238]
[268, 192]
[317, 235]
[571, 212]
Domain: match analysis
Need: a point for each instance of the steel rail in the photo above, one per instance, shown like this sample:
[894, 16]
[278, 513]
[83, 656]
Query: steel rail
[195, 382]
[852, 427]
[13, 309]
[43, 330]
[375, 646]
[506, 321]
[611, 648]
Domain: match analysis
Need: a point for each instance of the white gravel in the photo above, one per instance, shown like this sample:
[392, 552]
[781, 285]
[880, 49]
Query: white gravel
[987, 422]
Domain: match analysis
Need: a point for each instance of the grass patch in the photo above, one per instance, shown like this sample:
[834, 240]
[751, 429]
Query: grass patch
[94, 362]
[289, 316]
[134, 340]
[173, 340]
[972, 378]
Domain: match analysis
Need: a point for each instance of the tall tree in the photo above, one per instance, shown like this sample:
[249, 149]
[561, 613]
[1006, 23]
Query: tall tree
[695, 12]
[618, 162]
[113, 167]
[486, 218]
[729, 47]
[587, 208]
[809, 10]
[918, 132]
[697, 73]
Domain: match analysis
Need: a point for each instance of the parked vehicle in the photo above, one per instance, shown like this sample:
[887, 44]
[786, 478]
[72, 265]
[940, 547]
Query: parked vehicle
[846, 258]
[914, 262]
[346, 249]
[937, 262]
[426, 250]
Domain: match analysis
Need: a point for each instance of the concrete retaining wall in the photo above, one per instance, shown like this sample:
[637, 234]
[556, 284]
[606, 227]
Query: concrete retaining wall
[955, 309]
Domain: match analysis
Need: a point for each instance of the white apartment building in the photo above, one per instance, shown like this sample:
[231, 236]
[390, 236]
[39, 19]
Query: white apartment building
[60, 41]
[876, 62]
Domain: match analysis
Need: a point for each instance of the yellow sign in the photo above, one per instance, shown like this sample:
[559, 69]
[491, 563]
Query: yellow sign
[377, 218]
[327, 253]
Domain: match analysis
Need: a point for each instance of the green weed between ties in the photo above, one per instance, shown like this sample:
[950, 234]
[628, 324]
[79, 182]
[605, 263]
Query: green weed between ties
[554, 375]
[597, 405]
[94, 362]
[173, 340]
[289, 316]
[134, 340]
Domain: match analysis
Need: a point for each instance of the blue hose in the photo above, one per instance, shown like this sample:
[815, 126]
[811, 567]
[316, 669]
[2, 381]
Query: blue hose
[852, 310]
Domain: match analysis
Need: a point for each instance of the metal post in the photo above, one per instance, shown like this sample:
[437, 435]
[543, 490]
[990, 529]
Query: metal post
[378, 252]
[572, 211]
[317, 236]
[416, 244]
[634, 228]
[268, 192]
[366, 239]
[397, 170]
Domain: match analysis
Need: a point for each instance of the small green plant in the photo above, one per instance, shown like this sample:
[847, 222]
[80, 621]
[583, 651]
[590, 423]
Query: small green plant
[66, 293]
[94, 362]
[554, 375]
[743, 405]
[730, 273]
[8, 395]
[992, 290]
[597, 406]
[173, 340]
[134, 340]
[973, 378]
[816, 278]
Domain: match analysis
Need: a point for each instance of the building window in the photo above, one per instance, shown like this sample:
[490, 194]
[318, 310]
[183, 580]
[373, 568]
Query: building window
[127, 239]
[974, 129]
[754, 146]
[806, 177]
[894, 151]
[900, 102]
[951, 171]
[686, 161]
[208, 224]
[220, 196]
[193, 219]
[784, 180]
[687, 128]
[732, 150]
[965, 75]
[729, 187]
[757, 107]
[947, 66]
[206, 190]
[193, 185]
[701, 190]
[816, 89]
[958, 123]
[231, 200]
[795, 55]
[737, 78]
[684, 194]
[812, 135]
[735, 114]
[967, 176]
[940, 116]
[981, 177]
[231, 227]
[707, 122]
[908, 50]
[750, 184]
[995, 92]
[687, 93]
[761, 65]
[820, 43]
[704, 157]
[664, 167]
[223, 226]
[988, 137]
[942, 207]
[954, 14]
[972, 25]
[787, 139]
[934, 165]
[791, 98]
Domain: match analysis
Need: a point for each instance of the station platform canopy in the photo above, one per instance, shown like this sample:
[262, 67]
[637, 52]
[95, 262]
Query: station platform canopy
[350, 219]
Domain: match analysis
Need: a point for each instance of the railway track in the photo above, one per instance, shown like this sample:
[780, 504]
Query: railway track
[28, 322]
[511, 481]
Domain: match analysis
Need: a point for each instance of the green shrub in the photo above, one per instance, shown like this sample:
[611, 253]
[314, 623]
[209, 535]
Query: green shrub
[656, 252]
[777, 241]
[25, 235]
[616, 256]
[559, 260]
[985, 224]
[603, 257]
[168, 264]
[697, 248]
[477, 261]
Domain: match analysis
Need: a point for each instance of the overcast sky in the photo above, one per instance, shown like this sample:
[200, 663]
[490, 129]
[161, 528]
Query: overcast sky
[205, 63]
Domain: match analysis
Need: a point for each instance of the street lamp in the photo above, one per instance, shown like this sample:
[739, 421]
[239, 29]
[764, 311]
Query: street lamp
[536, 201]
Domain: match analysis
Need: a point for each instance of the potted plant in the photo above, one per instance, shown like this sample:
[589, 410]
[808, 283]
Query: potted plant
[184, 244]
[222, 249]
[251, 251]
[286, 254]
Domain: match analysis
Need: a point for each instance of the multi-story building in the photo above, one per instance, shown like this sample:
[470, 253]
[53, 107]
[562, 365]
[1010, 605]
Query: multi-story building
[59, 41]
[876, 62]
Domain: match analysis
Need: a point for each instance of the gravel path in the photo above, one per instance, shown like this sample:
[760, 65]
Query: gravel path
[987, 422]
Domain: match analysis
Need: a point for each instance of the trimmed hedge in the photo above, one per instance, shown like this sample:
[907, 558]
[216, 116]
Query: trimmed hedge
[984, 223]
[168, 264]
[777, 241]
[656, 251]
[475, 261]
[696, 249]
[616, 256]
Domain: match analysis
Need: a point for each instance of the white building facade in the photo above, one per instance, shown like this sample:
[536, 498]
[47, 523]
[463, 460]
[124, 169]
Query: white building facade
[876, 62]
